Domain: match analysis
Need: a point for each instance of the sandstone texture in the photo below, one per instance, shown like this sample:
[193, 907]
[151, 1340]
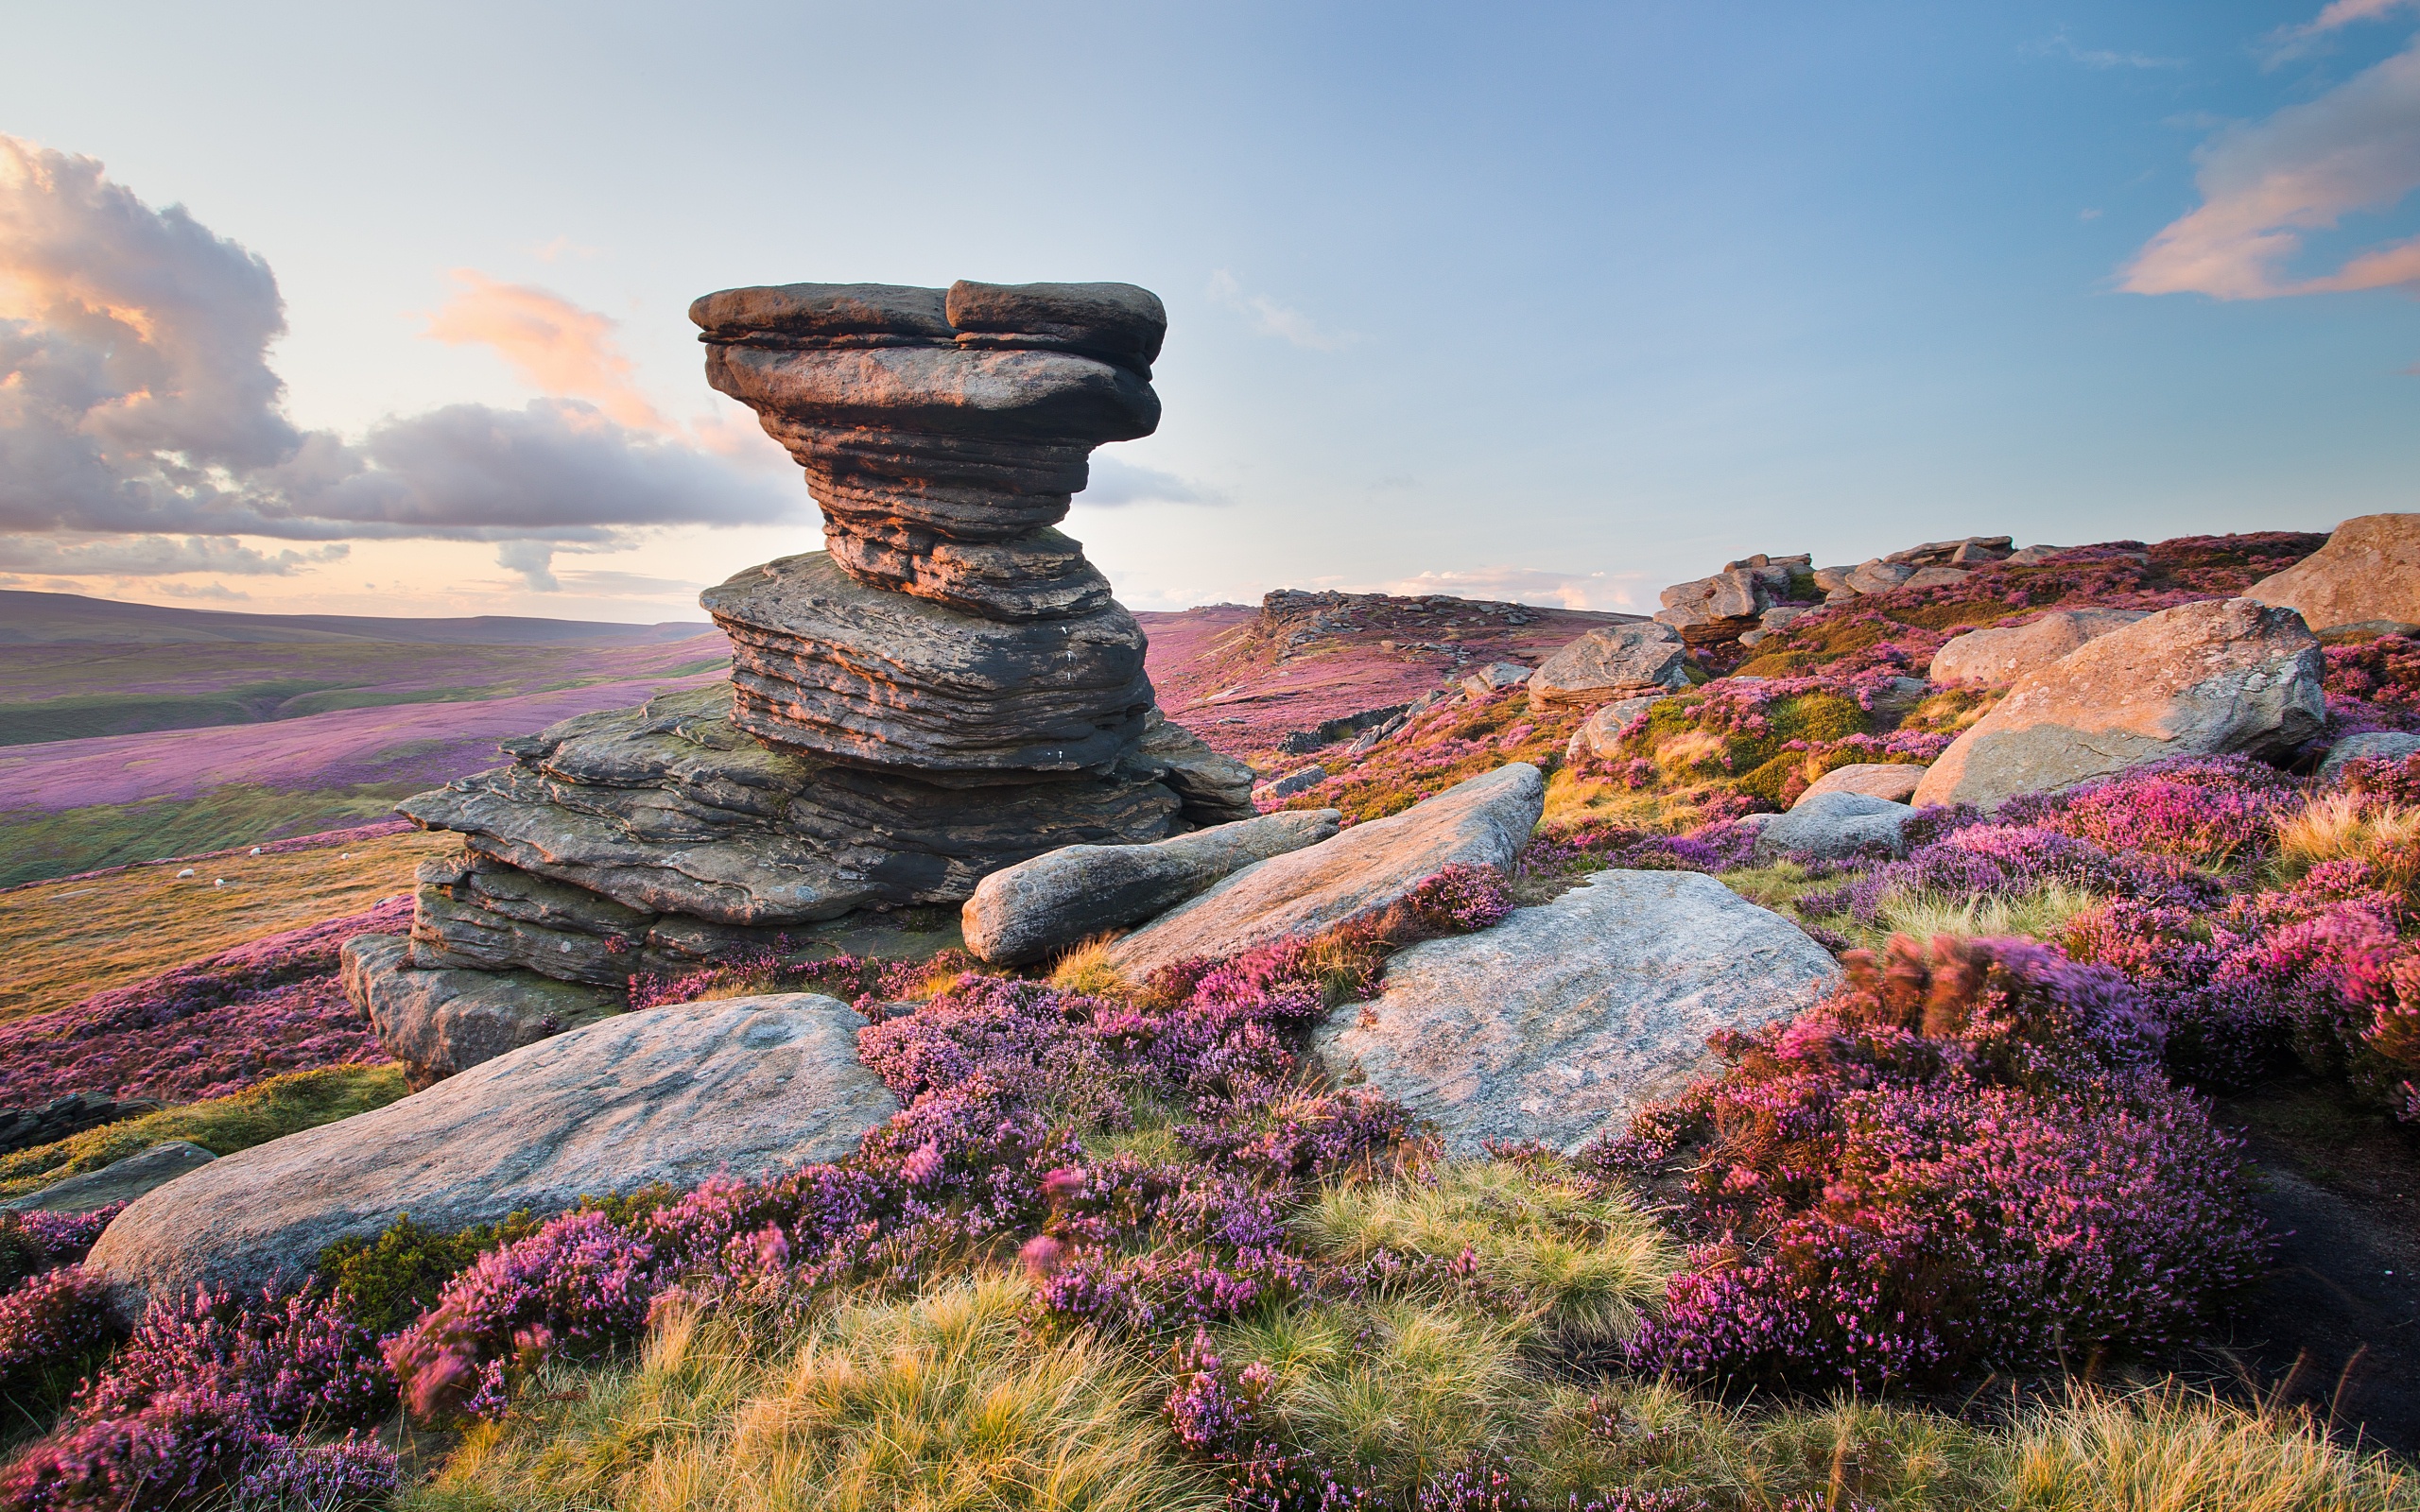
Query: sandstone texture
[119, 1181]
[440, 1022]
[1742, 592]
[1482, 821]
[1602, 731]
[1495, 677]
[1894, 781]
[2006, 655]
[2200, 680]
[2368, 572]
[2383, 745]
[1029, 910]
[747, 1086]
[1836, 824]
[1558, 1023]
[1615, 661]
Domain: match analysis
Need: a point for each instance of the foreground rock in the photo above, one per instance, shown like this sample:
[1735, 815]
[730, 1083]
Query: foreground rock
[1615, 661]
[118, 1181]
[1368, 869]
[1602, 731]
[1832, 825]
[439, 1022]
[2383, 745]
[747, 1086]
[2368, 573]
[1072, 894]
[1557, 1025]
[1894, 781]
[2200, 680]
[2006, 655]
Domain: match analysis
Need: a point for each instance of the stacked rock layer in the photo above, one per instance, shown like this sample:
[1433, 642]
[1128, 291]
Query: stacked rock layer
[947, 690]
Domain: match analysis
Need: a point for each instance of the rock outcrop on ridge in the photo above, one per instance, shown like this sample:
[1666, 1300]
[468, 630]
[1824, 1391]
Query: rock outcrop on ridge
[947, 690]
[2367, 573]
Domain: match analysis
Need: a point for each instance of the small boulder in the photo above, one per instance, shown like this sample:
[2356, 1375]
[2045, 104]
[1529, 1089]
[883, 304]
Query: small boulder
[747, 1087]
[1601, 731]
[1291, 783]
[2006, 655]
[2380, 744]
[1934, 552]
[1024, 911]
[442, 1021]
[1894, 782]
[1935, 576]
[2032, 555]
[119, 1181]
[1494, 679]
[1781, 616]
[2369, 570]
[1836, 824]
[1558, 1023]
[1879, 576]
[1612, 660]
[2207, 679]
[1367, 869]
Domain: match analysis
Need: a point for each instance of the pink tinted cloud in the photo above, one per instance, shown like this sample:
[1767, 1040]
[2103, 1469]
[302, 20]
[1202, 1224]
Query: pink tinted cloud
[555, 346]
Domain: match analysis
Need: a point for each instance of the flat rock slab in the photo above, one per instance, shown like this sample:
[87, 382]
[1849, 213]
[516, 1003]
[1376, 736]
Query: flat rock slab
[1071, 894]
[2369, 570]
[118, 1181]
[1560, 1023]
[747, 1086]
[1483, 821]
[2210, 678]
[443, 1022]
[1616, 659]
[1836, 824]
[2006, 655]
[1894, 781]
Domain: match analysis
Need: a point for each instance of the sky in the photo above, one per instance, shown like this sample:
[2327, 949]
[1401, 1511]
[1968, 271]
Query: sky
[382, 310]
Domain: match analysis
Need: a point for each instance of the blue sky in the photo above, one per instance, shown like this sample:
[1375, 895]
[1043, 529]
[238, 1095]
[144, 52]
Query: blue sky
[1549, 301]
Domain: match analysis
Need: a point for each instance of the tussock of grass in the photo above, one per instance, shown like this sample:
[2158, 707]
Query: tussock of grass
[2039, 914]
[222, 1126]
[1775, 886]
[935, 1404]
[1581, 1265]
[2169, 1449]
[2337, 827]
[1087, 968]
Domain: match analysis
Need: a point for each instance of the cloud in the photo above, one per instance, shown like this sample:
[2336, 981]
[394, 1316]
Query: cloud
[556, 347]
[533, 559]
[2264, 185]
[219, 592]
[2060, 45]
[1525, 584]
[1272, 318]
[2292, 42]
[137, 400]
[1115, 481]
[154, 557]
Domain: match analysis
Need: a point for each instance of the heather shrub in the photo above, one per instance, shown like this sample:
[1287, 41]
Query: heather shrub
[860, 980]
[2374, 684]
[53, 1328]
[383, 1282]
[34, 1241]
[2383, 780]
[2210, 811]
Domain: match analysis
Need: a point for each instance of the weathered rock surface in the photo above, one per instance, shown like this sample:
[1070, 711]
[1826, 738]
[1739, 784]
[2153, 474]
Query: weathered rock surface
[1602, 731]
[2382, 745]
[1054, 901]
[1300, 780]
[1879, 576]
[1966, 548]
[1482, 821]
[439, 1021]
[2200, 680]
[2006, 655]
[747, 1086]
[118, 1181]
[1558, 1023]
[1741, 592]
[1836, 824]
[1935, 577]
[1494, 679]
[1892, 781]
[2369, 570]
[1612, 661]
[22, 1128]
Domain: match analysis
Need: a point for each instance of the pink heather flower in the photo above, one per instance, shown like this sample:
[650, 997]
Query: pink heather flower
[1042, 1256]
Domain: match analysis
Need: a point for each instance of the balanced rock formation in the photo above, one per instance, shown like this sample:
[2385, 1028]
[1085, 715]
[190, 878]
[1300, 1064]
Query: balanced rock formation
[1615, 661]
[947, 690]
[2367, 573]
[1558, 1023]
[2006, 655]
[746, 1087]
[2202, 680]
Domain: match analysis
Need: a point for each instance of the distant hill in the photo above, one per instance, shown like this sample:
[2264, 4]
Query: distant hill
[72, 619]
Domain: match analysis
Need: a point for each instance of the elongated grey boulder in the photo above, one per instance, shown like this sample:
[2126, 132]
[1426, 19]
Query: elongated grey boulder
[1835, 824]
[1073, 893]
[745, 1085]
[2369, 570]
[118, 1181]
[1366, 870]
[2006, 655]
[1560, 1023]
[2207, 679]
[441, 1020]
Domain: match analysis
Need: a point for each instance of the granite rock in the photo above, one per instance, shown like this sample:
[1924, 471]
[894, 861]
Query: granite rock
[1837, 824]
[1602, 729]
[1894, 781]
[1614, 661]
[121, 1180]
[2006, 655]
[2381, 745]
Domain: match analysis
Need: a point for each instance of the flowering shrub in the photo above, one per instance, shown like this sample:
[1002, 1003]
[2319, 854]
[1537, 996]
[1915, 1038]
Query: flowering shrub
[35, 1241]
[2212, 811]
[1459, 899]
[860, 980]
[2374, 684]
[50, 1327]
[2005, 859]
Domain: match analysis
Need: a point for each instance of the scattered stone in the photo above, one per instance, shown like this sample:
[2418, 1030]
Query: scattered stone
[1601, 731]
[2200, 680]
[22, 1128]
[1560, 1023]
[1055, 900]
[2382, 745]
[120, 1180]
[2369, 570]
[1494, 679]
[1975, 553]
[2006, 655]
[1781, 616]
[1894, 782]
[1834, 580]
[1366, 870]
[747, 1087]
[1611, 661]
[2032, 555]
[1935, 577]
[1836, 824]
[439, 1021]
[1291, 783]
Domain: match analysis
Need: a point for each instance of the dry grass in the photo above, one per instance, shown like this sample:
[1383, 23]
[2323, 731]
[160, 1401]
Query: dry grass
[2171, 1450]
[936, 1403]
[1087, 968]
[2040, 914]
[1582, 1265]
[65, 940]
[2337, 827]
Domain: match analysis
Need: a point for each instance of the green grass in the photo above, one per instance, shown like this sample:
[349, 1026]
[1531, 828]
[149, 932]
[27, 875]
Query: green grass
[222, 1126]
[80, 716]
[36, 843]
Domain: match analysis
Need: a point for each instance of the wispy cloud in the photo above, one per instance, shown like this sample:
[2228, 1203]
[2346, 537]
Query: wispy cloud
[155, 556]
[2266, 184]
[2059, 44]
[1525, 584]
[556, 347]
[1272, 318]
[2293, 41]
[1117, 481]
